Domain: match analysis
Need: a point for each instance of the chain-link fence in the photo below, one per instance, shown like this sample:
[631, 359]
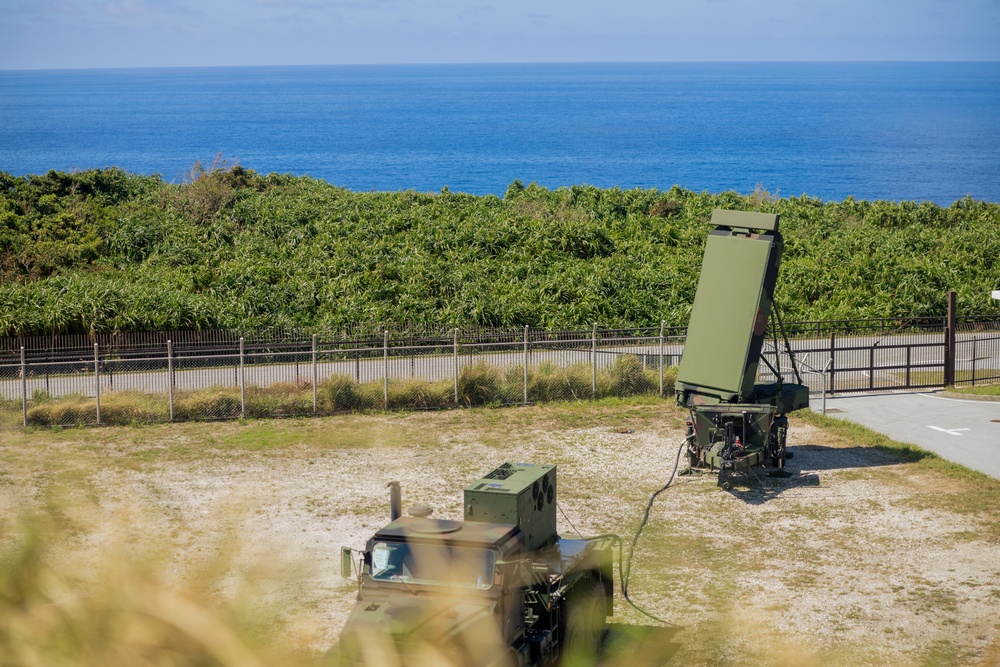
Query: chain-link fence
[220, 375]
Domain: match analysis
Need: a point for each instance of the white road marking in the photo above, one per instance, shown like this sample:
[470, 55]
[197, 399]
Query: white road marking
[953, 400]
[949, 431]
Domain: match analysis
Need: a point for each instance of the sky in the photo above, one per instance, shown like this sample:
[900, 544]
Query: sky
[59, 34]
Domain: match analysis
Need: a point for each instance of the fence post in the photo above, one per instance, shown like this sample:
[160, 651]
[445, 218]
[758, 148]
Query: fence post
[871, 366]
[97, 384]
[454, 347]
[974, 361]
[243, 381]
[909, 350]
[663, 323]
[170, 376]
[24, 388]
[833, 346]
[826, 374]
[315, 373]
[593, 361]
[949, 342]
[385, 368]
[525, 364]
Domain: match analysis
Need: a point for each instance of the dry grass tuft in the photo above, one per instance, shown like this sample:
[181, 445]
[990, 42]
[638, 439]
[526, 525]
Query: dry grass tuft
[479, 384]
[74, 591]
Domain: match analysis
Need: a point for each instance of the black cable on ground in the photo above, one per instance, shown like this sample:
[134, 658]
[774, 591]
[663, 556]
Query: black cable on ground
[559, 507]
[625, 567]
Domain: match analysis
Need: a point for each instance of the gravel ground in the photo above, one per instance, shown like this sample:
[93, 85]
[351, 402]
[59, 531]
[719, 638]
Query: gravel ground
[854, 559]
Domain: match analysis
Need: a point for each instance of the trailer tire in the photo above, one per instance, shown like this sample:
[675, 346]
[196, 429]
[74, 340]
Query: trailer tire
[586, 608]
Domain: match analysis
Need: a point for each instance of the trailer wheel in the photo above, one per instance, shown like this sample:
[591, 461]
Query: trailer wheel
[586, 608]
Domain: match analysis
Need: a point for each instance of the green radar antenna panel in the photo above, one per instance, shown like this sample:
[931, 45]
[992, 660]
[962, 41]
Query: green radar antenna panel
[737, 424]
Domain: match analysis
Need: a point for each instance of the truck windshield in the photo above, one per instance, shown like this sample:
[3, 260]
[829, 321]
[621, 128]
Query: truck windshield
[433, 564]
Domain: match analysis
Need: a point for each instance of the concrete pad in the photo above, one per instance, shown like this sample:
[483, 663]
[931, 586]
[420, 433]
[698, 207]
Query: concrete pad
[962, 431]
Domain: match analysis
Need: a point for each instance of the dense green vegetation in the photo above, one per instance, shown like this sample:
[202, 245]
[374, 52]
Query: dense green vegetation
[106, 250]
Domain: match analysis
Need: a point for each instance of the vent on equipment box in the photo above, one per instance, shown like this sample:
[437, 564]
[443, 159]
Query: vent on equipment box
[523, 494]
[503, 472]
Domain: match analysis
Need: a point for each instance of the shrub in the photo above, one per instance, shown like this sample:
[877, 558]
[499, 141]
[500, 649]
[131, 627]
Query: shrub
[282, 399]
[341, 393]
[549, 382]
[10, 413]
[131, 407]
[420, 395]
[202, 254]
[665, 208]
[480, 384]
[213, 403]
[69, 410]
[631, 377]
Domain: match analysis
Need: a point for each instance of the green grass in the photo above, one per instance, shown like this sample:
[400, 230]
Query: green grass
[979, 390]
[936, 378]
[316, 436]
[903, 452]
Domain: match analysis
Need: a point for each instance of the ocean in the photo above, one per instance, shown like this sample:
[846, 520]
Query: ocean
[897, 131]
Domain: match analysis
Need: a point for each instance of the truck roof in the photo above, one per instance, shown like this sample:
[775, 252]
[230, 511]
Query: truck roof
[466, 533]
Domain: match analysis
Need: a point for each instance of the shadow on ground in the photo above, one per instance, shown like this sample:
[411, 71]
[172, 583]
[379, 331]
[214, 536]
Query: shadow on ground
[815, 458]
[762, 484]
[759, 486]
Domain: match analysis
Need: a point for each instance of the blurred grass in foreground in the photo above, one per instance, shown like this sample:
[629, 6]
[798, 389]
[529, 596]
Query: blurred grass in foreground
[73, 592]
[81, 591]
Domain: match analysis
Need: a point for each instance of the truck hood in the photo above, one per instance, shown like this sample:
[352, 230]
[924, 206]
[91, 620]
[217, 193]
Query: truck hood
[421, 629]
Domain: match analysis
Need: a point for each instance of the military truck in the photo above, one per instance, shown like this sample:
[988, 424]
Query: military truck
[500, 587]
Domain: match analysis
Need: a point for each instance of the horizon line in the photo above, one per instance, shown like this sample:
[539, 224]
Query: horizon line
[506, 63]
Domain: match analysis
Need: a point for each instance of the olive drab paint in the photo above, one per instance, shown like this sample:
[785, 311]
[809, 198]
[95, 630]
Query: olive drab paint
[736, 423]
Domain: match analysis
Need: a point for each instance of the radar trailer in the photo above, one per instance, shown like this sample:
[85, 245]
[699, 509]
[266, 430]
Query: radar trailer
[735, 423]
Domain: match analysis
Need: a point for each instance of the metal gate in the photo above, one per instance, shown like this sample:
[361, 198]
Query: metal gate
[864, 355]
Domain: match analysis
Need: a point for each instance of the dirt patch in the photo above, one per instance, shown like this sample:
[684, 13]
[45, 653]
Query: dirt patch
[854, 559]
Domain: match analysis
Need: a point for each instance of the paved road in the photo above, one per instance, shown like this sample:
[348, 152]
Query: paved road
[965, 432]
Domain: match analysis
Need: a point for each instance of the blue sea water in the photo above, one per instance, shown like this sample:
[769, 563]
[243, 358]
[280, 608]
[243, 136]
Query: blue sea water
[919, 131]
